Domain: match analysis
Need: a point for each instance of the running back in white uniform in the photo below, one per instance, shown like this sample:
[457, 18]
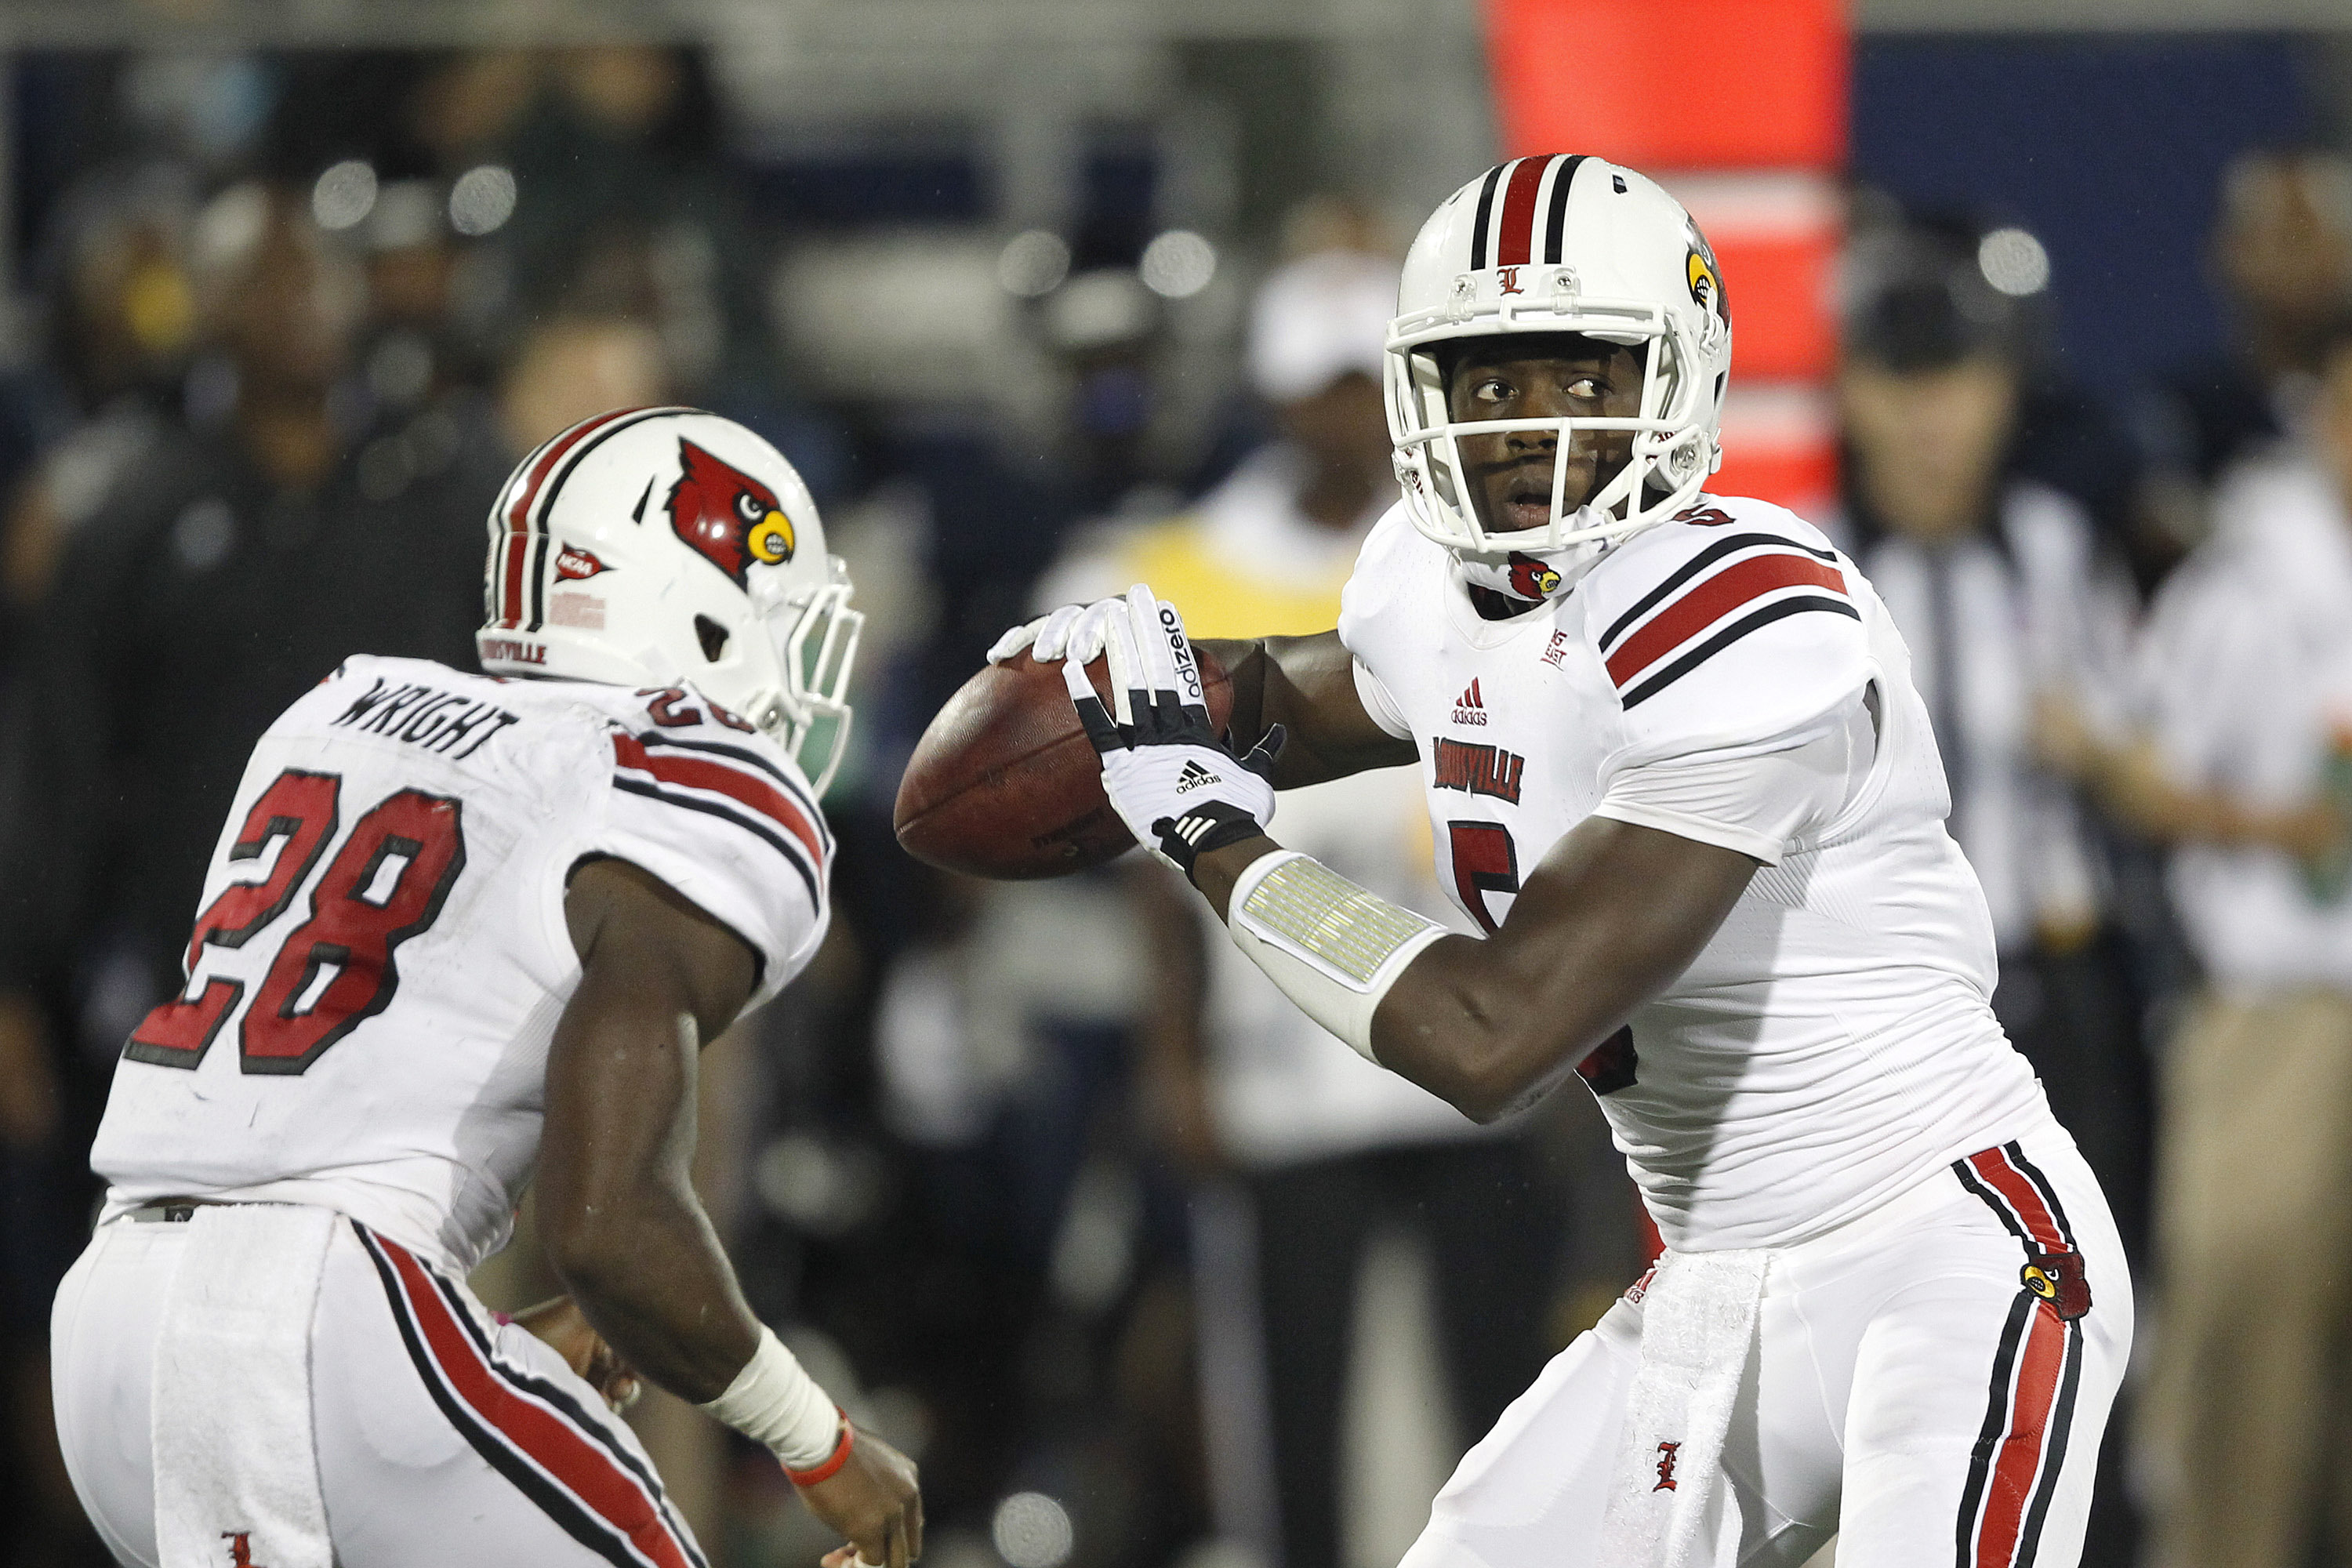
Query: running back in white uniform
[375, 976]
[382, 955]
[1835, 1042]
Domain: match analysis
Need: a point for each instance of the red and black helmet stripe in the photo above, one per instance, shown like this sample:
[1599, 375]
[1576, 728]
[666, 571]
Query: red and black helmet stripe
[1556, 231]
[1485, 210]
[520, 552]
[1514, 237]
[1528, 186]
[517, 506]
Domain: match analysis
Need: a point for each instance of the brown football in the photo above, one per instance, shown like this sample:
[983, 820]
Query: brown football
[1004, 782]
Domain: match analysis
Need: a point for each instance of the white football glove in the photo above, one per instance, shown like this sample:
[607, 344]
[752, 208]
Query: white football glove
[1172, 781]
[1074, 631]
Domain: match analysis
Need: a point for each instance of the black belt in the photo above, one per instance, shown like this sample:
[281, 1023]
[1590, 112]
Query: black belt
[169, 1211]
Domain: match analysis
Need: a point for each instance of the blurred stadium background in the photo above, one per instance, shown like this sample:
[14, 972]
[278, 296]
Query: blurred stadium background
[286, 285]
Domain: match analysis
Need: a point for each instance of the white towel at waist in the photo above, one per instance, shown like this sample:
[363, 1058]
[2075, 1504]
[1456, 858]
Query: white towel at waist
[231, 1426]
[1698, 1330]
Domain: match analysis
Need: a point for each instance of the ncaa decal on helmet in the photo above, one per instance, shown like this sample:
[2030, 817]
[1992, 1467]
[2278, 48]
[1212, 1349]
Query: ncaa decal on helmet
[1561, 243]
[722, 584]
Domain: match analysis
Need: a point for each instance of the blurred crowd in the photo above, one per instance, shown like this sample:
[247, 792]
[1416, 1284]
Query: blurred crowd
[1141, 1267]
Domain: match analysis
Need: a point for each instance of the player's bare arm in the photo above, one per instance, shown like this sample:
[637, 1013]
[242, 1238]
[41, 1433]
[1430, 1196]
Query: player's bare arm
[1610, 917]
[1308, 685]
[624, 1227]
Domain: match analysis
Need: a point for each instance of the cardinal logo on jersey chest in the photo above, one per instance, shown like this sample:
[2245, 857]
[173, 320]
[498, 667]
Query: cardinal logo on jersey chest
[729, 517]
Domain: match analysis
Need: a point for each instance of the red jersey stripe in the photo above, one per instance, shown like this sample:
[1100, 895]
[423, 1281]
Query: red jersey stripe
[744, 788]
[1514, 233]
[2024, 1447]
[519, 514]
[1993, 1166]
[1712, 600]
[549, 1440]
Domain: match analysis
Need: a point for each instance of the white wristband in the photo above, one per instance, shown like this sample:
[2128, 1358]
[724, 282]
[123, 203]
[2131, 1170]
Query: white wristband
[772, 1401]
[1333, 948]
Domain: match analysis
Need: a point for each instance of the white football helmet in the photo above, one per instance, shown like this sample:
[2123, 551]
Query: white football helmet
[653, 546]
[1561, 243]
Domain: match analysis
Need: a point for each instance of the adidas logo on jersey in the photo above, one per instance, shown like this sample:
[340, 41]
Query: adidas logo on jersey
[1470, 708]
[1193, 776]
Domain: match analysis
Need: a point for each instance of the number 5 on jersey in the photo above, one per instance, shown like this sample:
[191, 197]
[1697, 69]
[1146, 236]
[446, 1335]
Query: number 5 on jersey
[335, 970]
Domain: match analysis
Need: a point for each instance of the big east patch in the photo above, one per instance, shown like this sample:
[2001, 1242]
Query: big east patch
[725, 513]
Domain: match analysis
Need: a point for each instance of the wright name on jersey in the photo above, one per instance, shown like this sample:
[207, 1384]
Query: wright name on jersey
[381, 955]
[1835, 1042]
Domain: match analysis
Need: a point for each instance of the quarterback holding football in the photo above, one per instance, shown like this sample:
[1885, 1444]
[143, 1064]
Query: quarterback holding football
[1680, 777]
[463, 933]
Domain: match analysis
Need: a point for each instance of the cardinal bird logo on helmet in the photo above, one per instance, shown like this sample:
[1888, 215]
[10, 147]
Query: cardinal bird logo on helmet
[731, 517]
[1706, 277]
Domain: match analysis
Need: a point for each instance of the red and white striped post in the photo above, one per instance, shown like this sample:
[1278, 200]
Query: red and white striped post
[1737, 107]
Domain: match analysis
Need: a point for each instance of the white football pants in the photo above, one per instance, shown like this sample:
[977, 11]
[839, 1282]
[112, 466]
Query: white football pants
[443, 1436]
[1921, 1388]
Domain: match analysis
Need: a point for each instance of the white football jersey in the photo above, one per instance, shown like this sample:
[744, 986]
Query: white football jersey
[1834, 1041]
[382, 955]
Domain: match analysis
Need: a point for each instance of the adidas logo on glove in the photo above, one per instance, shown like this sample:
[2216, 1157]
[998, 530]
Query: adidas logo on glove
[1193, 776]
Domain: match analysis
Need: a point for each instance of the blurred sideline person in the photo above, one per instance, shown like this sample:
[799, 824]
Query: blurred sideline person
[2282, 251]
[2246, 765]
[238, 559]
[460, 926]
[1331, 1150]
[1999, 590]
[1682, 779]
[2281, 259]
[120, 321]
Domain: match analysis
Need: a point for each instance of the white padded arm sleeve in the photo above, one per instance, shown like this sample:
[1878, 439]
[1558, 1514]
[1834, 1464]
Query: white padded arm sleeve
[1757, 804]
[1333, 948]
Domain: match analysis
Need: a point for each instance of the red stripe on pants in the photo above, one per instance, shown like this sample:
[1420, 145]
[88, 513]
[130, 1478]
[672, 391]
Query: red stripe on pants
[2011, 1182]
[580, 1465]
[2017, 1463]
